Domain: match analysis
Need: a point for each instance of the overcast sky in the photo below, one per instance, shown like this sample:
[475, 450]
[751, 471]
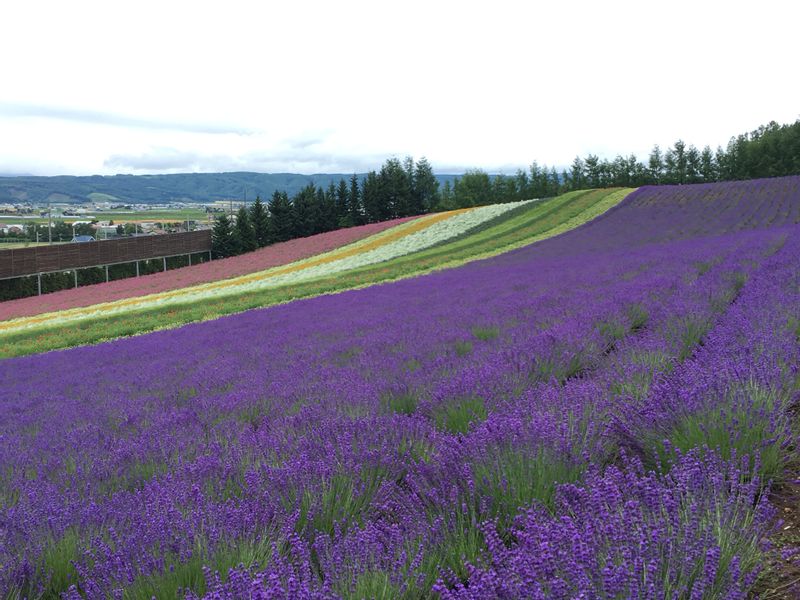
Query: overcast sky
[309, 87]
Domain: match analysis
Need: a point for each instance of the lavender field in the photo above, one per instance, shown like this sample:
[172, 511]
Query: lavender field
[599, 415]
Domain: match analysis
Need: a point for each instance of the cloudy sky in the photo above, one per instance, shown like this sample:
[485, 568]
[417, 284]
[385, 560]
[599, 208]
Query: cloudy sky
[170, 86]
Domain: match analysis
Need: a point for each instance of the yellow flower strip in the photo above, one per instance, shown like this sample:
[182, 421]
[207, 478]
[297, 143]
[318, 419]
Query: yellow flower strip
[369, 243]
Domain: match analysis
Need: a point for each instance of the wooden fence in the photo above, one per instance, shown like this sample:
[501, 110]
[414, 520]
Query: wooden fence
[64, 257]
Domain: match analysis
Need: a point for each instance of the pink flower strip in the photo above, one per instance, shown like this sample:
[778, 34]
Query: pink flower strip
[272, 256]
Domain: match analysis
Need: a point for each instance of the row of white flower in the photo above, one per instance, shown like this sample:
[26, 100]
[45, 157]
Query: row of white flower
[414, 242]
[320, 266]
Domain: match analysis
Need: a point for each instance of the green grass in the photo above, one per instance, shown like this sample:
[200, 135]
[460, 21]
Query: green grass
[402, 403]
[373, 585]
[342, 500]
[637, 384]
[122, 216]
[540, 221]
[463, 347]
[457, 414]
[637, 317]
[556, 367]
[514, 477]
[486, 334]
[741, 424]
[687, 332]
[190, 574]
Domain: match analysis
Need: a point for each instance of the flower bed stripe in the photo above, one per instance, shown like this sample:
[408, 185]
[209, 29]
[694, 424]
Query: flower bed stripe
[275, 255]
[397, 241]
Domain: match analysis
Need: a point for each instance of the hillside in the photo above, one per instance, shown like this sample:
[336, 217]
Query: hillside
[605, 413]
[182, 187]
[427, 243]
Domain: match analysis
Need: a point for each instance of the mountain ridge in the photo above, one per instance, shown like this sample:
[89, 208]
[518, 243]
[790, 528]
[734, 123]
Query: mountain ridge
[161, 188]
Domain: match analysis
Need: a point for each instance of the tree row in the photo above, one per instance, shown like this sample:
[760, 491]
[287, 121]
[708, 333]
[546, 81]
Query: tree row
[406, 188]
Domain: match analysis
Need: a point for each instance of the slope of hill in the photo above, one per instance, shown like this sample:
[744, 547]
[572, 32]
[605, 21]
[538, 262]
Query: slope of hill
[186, 187]
[598, 415]
[431, 242]
[265, 258]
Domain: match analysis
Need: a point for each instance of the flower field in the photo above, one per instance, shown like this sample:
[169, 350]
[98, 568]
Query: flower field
[397, 241]
[265, 258]
[598, 415]
[430, 242]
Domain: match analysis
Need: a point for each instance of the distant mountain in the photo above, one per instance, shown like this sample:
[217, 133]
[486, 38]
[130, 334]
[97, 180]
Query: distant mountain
[183, 187]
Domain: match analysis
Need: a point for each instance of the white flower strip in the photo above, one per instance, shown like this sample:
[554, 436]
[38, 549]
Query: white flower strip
[441, 231]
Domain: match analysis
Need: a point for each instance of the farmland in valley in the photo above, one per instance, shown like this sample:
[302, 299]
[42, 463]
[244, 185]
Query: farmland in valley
[601, 414]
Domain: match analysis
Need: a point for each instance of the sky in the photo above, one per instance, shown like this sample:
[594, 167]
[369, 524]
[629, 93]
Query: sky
[337, 87]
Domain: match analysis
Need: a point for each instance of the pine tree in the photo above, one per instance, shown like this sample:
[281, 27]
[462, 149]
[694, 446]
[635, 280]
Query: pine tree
[306, 211]
[343, 214]
[221, 237]
[374, 211]
[244, 238]
[577, 177]
[474, 188]
[354, 204]
[523, 185]
[655, 166]
[395, 190]
[681, 165]
[708, 165]
[447, 201]
[693, 165]
[281, 220]
[426, 188]
[260, 222]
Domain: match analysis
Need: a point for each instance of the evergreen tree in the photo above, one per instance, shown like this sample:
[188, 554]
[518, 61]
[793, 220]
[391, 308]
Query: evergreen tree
[244, 238]
[395, 190]
[354, 205]
[555, 182]
[593, 171]
[474, 188]
[343, 215]
[679, 153]
[504, 189]
[670, 167]
[692, 165]
[426, 188]
[374, 211]
[708, 165]
[655, 165]
[306, 211]
[260, 222]
[447, 200]
[522, 183]
[281, 218]
[724, 172]
[221, 237]
[577, 176]
[326, 217]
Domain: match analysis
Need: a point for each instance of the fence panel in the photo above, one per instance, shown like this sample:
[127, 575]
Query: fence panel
[62, 257]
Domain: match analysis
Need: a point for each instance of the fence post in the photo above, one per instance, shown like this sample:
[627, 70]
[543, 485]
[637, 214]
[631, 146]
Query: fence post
[190, 260]
[39, 280]
[165, 262]
[75, 274]
[137, 268]
[106, 273]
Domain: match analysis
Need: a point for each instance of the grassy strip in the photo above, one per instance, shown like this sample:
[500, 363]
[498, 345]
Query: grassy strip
[543, 220]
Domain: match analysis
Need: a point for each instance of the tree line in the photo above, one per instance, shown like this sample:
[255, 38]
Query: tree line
[406, 188]
[399, 189]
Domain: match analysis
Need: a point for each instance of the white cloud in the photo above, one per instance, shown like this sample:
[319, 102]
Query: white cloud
[95, 87]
